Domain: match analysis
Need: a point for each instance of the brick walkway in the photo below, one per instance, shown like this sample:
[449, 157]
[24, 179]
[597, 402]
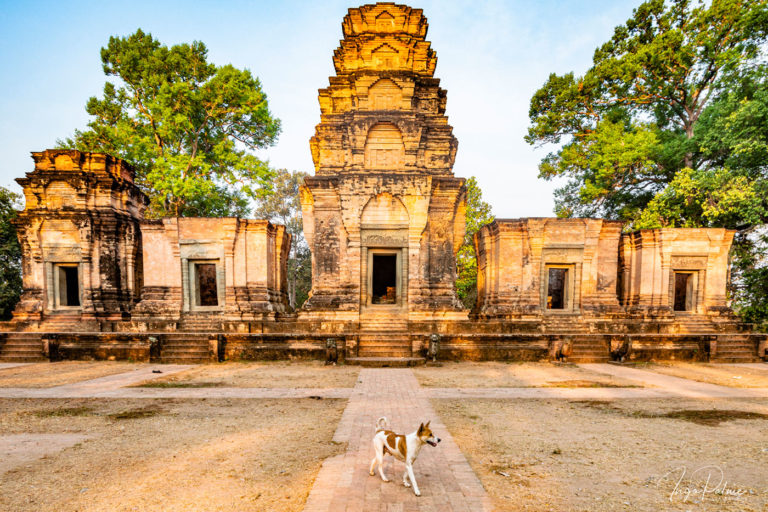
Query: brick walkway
[446, 481]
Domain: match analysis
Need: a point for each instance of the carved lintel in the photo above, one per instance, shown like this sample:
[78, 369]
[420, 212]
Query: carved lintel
[689, 262]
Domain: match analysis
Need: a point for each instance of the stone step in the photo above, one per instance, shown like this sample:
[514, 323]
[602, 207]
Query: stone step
[581, 360]
[21, 348]
[386, 362]
[391, 340]
[384, 353]
[185, 350]
[184, 360]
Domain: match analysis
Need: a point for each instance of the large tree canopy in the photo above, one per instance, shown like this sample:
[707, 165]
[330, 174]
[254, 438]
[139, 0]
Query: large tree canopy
[629, 124]
[669, 127]
[188, 126]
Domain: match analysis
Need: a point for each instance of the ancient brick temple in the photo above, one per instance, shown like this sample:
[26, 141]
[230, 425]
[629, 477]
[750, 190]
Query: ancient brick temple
[384, 217]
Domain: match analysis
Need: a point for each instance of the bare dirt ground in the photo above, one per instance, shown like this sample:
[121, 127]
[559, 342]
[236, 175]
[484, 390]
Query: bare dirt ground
[46, 375]
[280, 374]
[640, 454]
[506, 375]
[169, 455]
[721, 374]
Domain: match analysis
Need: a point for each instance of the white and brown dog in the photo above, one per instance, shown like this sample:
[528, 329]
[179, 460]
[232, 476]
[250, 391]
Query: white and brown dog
[404, 448]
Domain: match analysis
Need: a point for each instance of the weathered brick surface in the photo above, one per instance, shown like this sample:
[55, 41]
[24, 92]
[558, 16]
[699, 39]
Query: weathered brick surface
[82, 210]
[383, 155]
[445, 479]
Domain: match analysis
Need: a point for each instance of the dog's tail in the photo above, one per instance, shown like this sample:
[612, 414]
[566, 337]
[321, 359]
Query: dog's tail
[382, 424]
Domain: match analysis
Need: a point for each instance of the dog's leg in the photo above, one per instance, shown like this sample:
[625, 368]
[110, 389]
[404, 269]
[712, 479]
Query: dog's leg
[380, 458]
[405, 479]
[378, 448]
[409, 468]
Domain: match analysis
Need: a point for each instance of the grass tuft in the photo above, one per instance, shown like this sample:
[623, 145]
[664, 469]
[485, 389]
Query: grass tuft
[181, 384]
[63, 412]
[133, 414]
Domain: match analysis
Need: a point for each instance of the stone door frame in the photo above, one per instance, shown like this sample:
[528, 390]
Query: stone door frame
[401, 276]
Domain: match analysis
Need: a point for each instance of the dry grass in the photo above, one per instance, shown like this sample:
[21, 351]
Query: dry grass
[709, 417]
[46, 375]
[720, 374]
[512, 375]
[170, 455]
[280, 374]
[615, 455]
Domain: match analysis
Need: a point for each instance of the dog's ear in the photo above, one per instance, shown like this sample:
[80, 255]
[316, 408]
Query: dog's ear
[421, 429]
[430, 421]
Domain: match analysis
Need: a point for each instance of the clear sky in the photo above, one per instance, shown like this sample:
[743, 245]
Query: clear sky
[492, 56]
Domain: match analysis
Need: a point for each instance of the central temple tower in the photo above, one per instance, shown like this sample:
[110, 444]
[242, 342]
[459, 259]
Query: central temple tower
[383, 214]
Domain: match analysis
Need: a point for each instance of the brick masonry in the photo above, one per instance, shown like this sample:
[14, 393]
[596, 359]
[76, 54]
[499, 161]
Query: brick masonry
[446, 480]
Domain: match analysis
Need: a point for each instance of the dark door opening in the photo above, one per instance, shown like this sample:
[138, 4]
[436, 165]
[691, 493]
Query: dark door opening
[683, 282]
[69, 287]
[384, 279]
[207, 293]
[556, 288]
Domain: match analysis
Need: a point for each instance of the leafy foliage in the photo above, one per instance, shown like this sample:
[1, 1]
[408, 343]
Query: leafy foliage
[750, 285]
[478, 213]
[669, 127]
[188, 126]
[10, 254]
[628, 125]
[283, 206]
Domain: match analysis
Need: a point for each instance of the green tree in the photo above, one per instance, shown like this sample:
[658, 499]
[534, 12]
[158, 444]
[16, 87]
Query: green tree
[749, 287]
[188, 126]
[478, 214]
[284, 207]
[669, 127]
[10, 254]
[628, 125]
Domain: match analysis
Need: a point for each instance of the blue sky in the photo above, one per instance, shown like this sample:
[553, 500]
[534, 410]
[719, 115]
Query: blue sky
[492, 56]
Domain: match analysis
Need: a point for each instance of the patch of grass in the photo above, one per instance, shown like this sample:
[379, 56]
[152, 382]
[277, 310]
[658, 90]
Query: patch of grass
[707, 417]
[63, 412]
[133, 414]
[181, 384]
[584, 384]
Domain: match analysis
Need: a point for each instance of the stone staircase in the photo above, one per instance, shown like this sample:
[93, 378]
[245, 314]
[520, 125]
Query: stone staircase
[736, 348]
[200, 322]
[183, 348]
[21, 347]
[384, 340]
[589, 349]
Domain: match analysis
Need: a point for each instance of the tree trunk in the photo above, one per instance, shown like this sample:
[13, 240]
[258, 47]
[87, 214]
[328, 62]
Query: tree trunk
[689, 136]
[292, 289]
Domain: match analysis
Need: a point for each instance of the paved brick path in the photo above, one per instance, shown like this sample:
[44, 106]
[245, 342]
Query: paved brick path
[446, 481]
[685, 388]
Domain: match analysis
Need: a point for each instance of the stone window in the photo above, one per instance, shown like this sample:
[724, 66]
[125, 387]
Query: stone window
[384, 147]
[384, 279]
[684, 294]
[66, 284]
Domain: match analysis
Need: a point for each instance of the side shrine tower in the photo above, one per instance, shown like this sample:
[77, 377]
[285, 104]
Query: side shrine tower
[383, 214]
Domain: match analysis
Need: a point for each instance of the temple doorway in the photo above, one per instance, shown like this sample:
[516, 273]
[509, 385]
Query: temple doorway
[384, 279]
